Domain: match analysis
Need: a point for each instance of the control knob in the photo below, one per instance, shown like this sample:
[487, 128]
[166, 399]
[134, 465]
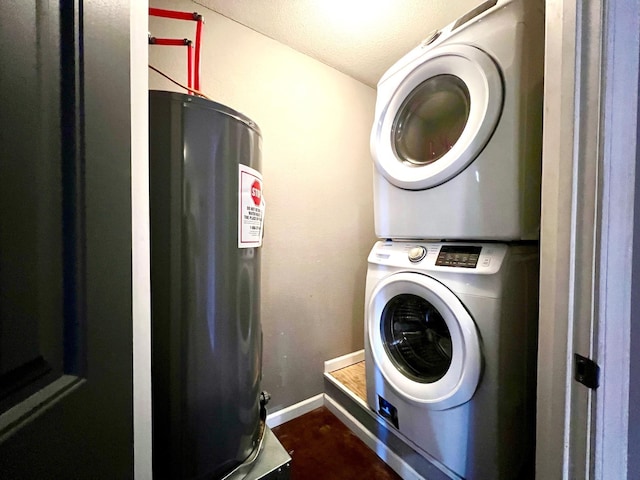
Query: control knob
[417, 253]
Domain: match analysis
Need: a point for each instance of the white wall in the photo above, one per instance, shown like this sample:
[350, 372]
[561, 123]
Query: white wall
[315, 124]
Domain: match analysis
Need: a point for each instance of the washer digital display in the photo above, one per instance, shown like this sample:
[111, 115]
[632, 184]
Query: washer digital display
[464, 256]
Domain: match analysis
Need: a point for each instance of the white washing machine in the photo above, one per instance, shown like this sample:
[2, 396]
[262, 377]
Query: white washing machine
[457, 136]
[450, 352]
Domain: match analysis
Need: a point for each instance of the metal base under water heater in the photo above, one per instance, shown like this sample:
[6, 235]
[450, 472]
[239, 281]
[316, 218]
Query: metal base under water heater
[206, 214]
[273, 462]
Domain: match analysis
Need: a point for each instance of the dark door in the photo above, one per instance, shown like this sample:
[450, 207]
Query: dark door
[65, 240]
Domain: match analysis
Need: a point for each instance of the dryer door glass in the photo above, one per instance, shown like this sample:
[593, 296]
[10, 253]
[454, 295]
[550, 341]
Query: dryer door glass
[416, 338]
[431, 120]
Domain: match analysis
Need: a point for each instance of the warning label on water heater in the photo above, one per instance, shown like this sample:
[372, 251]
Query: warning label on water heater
[250, 208]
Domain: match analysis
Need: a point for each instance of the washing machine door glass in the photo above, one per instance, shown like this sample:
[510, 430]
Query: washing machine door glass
[423, 341]
[431, 120]
[438, 118]
[416, 338]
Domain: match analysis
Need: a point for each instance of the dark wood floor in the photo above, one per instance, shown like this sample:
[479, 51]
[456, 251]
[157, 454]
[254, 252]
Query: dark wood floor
[321, 447]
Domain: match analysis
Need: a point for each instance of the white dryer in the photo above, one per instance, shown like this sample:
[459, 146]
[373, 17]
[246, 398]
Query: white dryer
[450, 352]
[456, 140]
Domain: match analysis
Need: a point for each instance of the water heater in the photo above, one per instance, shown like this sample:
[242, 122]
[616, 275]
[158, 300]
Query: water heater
[207, 211]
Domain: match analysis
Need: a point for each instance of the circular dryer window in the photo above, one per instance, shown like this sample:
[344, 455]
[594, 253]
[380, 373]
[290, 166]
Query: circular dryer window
[416, 338]
[423, 340]
[438, 118]
[431, 120]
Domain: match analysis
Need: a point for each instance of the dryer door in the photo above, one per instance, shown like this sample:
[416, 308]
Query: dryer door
[439, 118]
[424, 341]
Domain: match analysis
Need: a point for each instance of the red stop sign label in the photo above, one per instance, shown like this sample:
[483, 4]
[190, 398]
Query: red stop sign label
[256, 192]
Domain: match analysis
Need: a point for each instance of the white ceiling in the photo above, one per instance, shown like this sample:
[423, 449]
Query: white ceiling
[361, 38]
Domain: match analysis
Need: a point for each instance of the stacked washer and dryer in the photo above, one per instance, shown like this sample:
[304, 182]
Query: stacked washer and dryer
[452, 286]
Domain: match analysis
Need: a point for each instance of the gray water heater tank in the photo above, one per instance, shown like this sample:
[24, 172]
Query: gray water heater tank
[205, 282]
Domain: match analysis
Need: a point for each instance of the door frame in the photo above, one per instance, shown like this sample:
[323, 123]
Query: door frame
[141, 266]
[590, 150]
[616, 449]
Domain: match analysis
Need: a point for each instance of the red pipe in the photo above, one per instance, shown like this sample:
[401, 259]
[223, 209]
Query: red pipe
[176, 42]
[190, 66]
[197, 53]
[193, 59]
[160, 12]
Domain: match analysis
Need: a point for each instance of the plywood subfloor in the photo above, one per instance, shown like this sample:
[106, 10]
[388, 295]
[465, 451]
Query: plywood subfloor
[353, 377]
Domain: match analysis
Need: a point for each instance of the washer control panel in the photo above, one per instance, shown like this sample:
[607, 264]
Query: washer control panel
[458, 256]
[480, 258]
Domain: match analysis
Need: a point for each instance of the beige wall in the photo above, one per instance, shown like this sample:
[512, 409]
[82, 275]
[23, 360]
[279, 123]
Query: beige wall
[317, 171]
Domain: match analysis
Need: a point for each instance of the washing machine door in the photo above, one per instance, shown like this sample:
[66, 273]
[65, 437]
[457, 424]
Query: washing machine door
[424, 341]
[439, 118]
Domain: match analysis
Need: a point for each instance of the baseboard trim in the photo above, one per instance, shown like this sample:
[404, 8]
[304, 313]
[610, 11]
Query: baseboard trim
[394, 461]
[295, 410]
[343, 361]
